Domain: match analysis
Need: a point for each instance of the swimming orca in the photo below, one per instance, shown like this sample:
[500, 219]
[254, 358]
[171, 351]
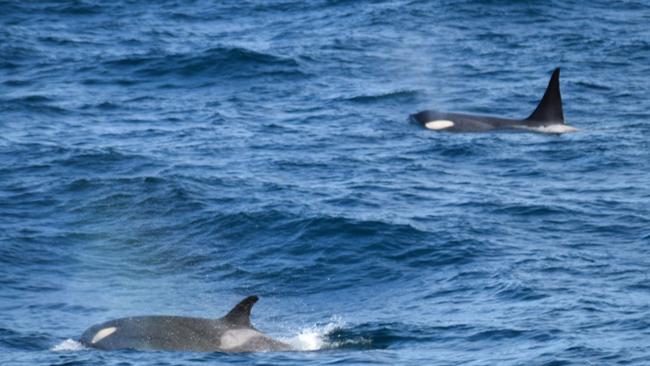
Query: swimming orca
[548, 116]
[232, 333]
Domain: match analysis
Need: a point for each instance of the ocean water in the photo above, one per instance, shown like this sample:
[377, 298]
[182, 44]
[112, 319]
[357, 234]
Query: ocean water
[175, 157]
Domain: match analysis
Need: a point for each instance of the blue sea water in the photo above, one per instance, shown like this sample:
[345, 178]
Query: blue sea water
[175, 157]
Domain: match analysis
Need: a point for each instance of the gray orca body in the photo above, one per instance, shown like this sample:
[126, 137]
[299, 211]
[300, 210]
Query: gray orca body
[548, 117]
[232, 333]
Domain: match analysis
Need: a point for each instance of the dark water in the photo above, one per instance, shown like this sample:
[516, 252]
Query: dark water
[174, 158]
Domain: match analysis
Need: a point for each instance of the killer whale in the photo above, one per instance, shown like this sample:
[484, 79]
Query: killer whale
[231, 333]
[548, 116]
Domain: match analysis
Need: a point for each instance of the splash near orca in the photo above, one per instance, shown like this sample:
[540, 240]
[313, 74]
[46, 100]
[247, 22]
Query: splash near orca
[548, 117]
[231, 333]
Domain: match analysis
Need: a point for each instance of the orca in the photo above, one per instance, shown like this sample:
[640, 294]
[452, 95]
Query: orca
[231, 333]
[548, 117]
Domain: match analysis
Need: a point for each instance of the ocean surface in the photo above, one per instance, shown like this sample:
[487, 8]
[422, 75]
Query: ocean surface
[175, 157]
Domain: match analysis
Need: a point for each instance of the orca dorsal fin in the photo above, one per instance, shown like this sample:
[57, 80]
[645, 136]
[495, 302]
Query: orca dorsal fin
[241, 313]
[549, 108]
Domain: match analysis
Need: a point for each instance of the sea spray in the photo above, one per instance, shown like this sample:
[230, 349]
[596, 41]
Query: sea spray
[315, 337]
[68, 345]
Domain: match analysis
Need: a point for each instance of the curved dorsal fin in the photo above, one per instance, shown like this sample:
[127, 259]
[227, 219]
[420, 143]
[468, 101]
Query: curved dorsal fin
[550, 107]
[241, 313]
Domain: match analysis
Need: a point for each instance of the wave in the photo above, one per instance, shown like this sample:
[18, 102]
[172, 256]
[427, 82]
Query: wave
[534, 210]
[109, 222]
[82, 8]
[229, 62]
[30, 341]
[399, 95]
[593, 85]
[34, 103]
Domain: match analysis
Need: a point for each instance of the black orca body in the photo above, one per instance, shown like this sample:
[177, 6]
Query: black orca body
[547, 117]
[231, 333]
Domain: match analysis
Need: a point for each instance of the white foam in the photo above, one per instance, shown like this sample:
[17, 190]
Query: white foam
[556, 128]
[439, 124]
[68, 345]
[314, 338]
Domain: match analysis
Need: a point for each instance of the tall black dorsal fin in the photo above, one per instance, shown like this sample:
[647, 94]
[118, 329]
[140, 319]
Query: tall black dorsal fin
[241, 313]
[550, 107]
